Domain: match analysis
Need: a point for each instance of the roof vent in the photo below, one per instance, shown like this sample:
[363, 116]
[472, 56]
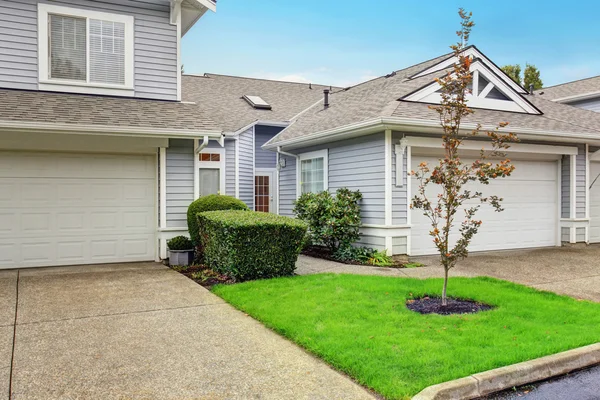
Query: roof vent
[326, 98]
[257, 102]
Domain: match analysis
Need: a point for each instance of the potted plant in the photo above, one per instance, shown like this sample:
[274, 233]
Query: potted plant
[181, 251]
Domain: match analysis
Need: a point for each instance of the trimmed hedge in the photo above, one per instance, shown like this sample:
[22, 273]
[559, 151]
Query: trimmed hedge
[248, 245]
[212, 202]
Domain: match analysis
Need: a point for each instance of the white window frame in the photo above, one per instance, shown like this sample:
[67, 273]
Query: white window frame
[47, 83]
[198, 165]
[324, 154]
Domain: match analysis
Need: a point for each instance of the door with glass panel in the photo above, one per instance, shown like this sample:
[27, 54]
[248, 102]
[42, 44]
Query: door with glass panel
[210, 172]
[264, 191]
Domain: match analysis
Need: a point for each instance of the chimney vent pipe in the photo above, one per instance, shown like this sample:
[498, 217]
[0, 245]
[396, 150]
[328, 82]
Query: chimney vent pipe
[326, 98]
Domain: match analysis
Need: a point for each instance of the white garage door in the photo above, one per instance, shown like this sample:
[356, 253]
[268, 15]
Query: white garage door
[594, 233]
[66, 209]
[530, 211]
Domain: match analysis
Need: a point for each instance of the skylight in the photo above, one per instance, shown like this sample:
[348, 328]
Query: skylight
[257, 102]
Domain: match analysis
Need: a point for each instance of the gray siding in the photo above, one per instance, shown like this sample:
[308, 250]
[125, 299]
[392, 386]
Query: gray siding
[375, 242]
[399, 245]
[155, 43]
[358, 164]
[565, 234]
[265, 158]
[590, 104]
[230, 167]
[246, 167]
[180, 181]
[565, 184]
[580, 234]
[580, 185]
[399, 193]
[287, 186]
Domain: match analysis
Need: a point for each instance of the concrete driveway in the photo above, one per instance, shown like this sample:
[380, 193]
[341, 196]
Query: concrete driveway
[574, 271]
[143, 331]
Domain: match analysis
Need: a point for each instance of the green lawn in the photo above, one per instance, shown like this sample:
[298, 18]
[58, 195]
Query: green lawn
[360, 325]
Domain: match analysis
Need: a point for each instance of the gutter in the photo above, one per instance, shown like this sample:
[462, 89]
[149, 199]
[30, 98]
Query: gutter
[412, 125]
[202, 145]
[19, 126]
[279, 151]
[282, 124]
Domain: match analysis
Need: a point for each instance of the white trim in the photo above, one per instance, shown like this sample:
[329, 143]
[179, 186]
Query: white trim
[324, 154]
[272, 172]
[253, 167]
[573, 197]
[196, 171]
[138, 131]
[576, 97]
[220, 165]
[426, 142]
[429, 94]
[416, 125]
[408, 186]
[389, 244]
[46, 83]
[237, 168]
[587, 181]
[399, 152]
[559, 201]
[157, 201]
[212, 6]
[388, 177]
[277, 177]
[385, 231]
[178, 11]
[475, 53]
[163, 188]
[280, 124]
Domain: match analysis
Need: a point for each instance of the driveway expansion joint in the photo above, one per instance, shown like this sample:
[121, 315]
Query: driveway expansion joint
[496, 380]
[119, 314]
[14, 339]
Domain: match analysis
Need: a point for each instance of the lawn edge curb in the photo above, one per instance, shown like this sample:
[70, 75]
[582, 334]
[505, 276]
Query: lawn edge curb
[499, 379]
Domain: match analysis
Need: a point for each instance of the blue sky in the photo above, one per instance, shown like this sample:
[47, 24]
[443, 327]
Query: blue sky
[343, 42]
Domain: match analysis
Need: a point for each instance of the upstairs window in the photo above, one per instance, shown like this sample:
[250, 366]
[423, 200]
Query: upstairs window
[81, 49]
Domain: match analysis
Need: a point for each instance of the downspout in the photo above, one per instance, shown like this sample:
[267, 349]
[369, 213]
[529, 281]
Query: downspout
[286, 153]
[202, 145]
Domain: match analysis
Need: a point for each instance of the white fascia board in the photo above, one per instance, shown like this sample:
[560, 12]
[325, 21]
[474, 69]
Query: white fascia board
[14, 126]
[282, 124]
[577, 97]
[426, 142]
[413, 125]
[475, 53]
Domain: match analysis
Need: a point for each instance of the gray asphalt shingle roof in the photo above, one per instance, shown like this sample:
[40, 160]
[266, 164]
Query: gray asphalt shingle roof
[380, 98]
[77, 109]
[220, 96]
[575, 88]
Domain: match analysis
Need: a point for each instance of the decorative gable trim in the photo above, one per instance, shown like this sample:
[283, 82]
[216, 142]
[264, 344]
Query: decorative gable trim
[475, 54]
[489, 92]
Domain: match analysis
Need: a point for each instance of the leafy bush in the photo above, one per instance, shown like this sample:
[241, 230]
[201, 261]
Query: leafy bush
[249, 245]
[180, 243]
[333, 221]
[212, 202]
[364, 255]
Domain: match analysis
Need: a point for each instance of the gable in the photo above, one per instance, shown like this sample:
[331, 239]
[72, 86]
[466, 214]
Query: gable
[489, 91]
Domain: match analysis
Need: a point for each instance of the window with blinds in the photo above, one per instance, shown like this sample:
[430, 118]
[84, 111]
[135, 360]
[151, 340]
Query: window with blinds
[107, 52]
[87, 50]
[68, 41]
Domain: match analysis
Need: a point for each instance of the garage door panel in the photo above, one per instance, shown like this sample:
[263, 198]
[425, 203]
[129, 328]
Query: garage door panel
[529, 218]
[80, 216]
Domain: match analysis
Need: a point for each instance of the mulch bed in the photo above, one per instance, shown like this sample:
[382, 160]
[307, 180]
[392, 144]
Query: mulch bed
[433, 305]
[322, 252]
[203, 275]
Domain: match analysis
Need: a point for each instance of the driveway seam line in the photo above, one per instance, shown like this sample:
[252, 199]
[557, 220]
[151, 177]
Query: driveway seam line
[117, 314]
[12, 356]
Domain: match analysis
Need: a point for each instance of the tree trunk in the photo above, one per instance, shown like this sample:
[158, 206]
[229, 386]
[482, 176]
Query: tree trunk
[444, 298]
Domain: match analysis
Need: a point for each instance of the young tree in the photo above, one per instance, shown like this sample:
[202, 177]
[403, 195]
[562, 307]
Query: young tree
[531, 76]
[452, 175]
[514, 71]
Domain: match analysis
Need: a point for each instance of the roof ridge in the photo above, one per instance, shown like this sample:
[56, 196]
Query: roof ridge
[209, 74]
[568, 83]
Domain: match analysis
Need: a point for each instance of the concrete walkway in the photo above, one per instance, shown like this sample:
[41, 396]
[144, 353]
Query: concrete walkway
[574, 271]
[143, 331]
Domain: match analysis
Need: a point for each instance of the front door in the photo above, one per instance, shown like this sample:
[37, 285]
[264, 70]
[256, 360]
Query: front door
[264, 191]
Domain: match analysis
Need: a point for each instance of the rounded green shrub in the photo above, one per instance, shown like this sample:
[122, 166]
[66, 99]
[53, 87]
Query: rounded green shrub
[180, 243]
[212, 202]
